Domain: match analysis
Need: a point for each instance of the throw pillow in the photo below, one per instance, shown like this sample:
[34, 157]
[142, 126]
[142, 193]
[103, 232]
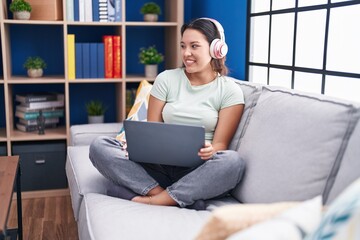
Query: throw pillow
[139, 109]
[351, 230]
[227, 220]
[293, 224]
[340, 216]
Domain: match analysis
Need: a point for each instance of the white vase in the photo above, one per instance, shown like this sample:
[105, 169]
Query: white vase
[95, 119]
[35, 73]
[150, 17]
[151, 70]
[23, 15]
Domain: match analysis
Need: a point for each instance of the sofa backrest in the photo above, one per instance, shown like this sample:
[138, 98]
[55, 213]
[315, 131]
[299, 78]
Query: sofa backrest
[84, 134]
[293, 144]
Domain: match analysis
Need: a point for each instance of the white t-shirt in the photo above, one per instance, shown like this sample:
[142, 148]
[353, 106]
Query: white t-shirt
[195, 105]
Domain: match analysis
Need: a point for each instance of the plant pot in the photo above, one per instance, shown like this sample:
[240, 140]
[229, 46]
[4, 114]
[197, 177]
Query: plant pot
[95, 119]
[151, 70]
[35, 73]
[23, 15]
[150, 17]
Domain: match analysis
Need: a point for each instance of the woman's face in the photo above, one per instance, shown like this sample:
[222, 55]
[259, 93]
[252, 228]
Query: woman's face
[195, 51]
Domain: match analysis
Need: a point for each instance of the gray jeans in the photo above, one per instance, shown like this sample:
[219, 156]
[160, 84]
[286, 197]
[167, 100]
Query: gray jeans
[185, 185]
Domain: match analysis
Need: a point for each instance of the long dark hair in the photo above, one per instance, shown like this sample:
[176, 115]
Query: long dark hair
[210, 31]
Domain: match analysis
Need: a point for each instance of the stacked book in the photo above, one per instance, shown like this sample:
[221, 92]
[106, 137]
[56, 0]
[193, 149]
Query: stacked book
[50, 105]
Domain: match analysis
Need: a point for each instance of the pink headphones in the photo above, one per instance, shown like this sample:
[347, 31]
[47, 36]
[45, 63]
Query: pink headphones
[218, 47]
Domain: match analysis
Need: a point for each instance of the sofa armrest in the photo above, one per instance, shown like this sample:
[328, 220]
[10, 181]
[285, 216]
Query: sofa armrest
[84, 134]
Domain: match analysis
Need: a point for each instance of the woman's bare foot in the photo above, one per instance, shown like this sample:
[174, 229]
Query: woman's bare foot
[162, 198]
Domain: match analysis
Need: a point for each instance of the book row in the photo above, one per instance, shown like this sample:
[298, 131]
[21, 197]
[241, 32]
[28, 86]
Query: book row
[94, 10]
[94, 60]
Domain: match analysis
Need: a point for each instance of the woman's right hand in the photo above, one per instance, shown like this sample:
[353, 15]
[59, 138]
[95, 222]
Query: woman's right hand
[123, 146]
[207, 151]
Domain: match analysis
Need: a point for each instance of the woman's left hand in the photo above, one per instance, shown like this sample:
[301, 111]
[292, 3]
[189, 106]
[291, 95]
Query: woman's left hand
[207, 151]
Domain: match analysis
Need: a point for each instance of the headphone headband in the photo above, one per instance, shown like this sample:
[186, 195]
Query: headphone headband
[218, 26]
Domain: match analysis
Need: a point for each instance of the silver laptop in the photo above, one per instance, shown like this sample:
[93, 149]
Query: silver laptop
[163, 143]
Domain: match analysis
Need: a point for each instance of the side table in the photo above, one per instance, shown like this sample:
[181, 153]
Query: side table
[9, 174]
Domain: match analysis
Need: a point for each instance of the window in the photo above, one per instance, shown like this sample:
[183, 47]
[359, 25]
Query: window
[311, 46]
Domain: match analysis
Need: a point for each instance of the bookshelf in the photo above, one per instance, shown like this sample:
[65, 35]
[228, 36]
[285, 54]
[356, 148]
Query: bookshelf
[20, 39]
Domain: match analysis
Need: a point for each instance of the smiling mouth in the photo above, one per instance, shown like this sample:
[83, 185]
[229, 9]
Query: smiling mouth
[189, 61]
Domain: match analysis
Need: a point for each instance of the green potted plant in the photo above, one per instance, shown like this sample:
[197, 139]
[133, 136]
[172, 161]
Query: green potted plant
[151, 11]
[34, 66]
[95, 110]
[21, 9]
[151, 58]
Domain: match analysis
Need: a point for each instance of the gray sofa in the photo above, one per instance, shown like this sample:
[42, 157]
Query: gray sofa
[296, 146]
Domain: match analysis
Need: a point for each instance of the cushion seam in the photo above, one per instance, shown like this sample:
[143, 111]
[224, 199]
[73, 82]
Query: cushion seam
[309, 96]
[256, 96]
[88, 219]
[255, 91]
[75, 176]
[354, 117]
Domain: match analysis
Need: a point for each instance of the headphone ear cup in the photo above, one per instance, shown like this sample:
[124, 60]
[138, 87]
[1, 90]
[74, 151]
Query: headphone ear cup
[218, 49]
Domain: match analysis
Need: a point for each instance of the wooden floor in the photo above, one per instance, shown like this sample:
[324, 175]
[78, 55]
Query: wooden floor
[49, 218]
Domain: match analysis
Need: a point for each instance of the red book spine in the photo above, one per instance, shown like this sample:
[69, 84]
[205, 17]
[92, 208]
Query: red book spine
[117, 56]
[108, 54]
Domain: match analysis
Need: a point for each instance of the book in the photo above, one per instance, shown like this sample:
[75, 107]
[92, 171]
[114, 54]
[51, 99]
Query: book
[86, 60]
[71, 56]
[47, 113]
[81, 10]
[33, 128]
[76, 10]
[36, 97]
[118, 15]
[70, 10]
[111, 10]
[101, 61]
[78, 60]
[93, 60]
[108, 56]
[42, 105]
[95, 10]
[103, 11]
[32, 122]
[88, 10]
[116, 56]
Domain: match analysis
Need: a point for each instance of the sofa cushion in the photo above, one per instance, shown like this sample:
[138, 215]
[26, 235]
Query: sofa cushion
[139, 109]
[130, 220]
[251, 93]
[293, 145]
[83, 134]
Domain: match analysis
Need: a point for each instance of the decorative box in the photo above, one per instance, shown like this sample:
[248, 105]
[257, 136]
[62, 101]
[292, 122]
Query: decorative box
[50, 10]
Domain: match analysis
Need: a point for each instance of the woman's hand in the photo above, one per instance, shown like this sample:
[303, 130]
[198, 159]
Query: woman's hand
[123, 146]
[207, 151]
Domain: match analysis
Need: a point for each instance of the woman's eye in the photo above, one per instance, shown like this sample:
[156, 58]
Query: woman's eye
[194, 46]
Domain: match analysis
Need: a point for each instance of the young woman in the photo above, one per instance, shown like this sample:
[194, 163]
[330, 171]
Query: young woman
[200, 94]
